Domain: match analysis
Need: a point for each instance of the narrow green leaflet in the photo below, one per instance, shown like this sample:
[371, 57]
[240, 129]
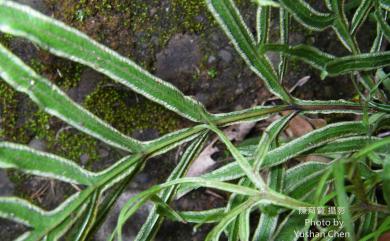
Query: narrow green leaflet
[386, 180]
[342, 198]
[265, 228]
[21, 211]
[368, 222]
[308, 106]
[300, 181]
[58, 231]
[54, 101]
[137, 201]
[234, 26]
[172, 140]
[61, 219]
[372, 147]
[296, 147]
[244, 225]
[43, 164]
[89, 217]
[50, 225]
[150, 226]
[232, 230]
[376, 46]
[269, 135]
[385, 4]
[268, 221]
[229, 217]
[308, 16]
[201, 217]
[267, 3]
[313, 139]
[329, 64]
[263, 19]
[361, 15]
[308, 54]
[359, 62]
[253, 176]
[382, 23]
[340, 146]
[341, 25]
[345, 145]
[70, 43]
[252, 114]
[238, 228]
[291, 227]
[329, 107]
[105, 206]
[284, 22]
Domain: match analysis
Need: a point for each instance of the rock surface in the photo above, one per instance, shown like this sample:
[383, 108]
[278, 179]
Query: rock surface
[6, 186]
[179, 60]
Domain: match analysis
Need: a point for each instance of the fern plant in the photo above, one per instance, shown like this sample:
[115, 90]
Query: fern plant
[355, 179]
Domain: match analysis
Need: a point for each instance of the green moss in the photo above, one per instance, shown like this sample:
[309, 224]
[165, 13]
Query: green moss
[188, 12]
[117, 107]
[113, 106]
[8, 112]
[5, 39]
[39, 126]
[142, 21]
[73, 145]
[212, 73]
[8, 102]
[64, 73]
[65, 142]
[69, 74]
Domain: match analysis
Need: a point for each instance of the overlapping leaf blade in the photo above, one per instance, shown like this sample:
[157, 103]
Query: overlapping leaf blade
[234, 26]
[303, 179]
[21, 211]
[54, 101]
[148, 230]
[43, 164]
[268, 220]
[341, 25]
[263, 16]
[308, 16]
[329, 64]
[385, 4]
[308, 54]
[361, 15]
[282, 154]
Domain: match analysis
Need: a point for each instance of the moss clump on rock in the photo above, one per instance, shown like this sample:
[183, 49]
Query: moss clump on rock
[8, 112]
[129, 113]
[125, 24]
[78, 146]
